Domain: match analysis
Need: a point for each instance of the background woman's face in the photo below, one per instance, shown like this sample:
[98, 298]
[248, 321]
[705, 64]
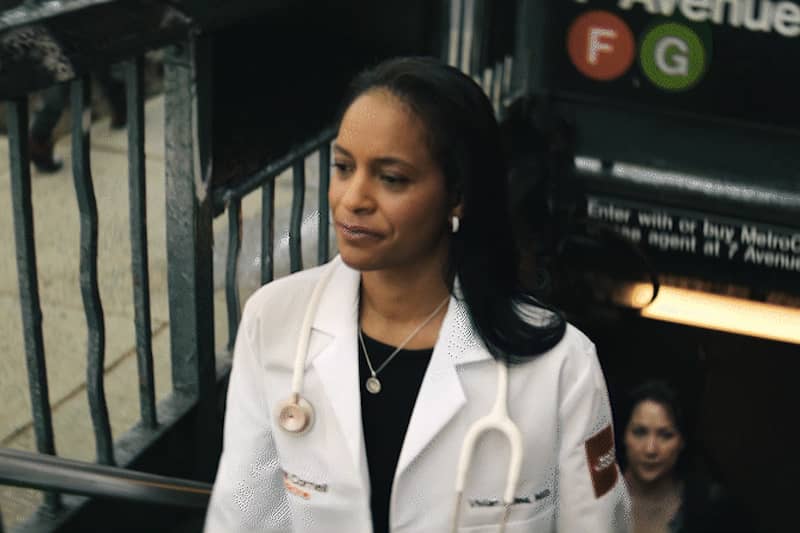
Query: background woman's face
[387, 194]
[652, 442]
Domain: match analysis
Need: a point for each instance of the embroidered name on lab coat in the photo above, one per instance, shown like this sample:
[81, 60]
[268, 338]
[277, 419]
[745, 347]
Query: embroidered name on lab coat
[298, 486]
[494, 502]
[602, 461]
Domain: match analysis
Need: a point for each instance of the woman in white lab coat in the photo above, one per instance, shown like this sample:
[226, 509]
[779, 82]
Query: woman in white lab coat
[410, 335]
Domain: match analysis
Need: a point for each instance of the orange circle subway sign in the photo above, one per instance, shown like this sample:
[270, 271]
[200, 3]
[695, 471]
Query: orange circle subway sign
[601, 45]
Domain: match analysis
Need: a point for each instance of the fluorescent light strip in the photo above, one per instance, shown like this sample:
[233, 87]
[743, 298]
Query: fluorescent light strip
[714, 311]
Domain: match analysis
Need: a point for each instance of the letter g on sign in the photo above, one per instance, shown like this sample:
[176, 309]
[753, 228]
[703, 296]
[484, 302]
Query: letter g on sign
[673, 57]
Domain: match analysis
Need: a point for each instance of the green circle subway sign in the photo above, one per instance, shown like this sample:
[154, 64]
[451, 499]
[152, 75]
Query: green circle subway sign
[673, 56]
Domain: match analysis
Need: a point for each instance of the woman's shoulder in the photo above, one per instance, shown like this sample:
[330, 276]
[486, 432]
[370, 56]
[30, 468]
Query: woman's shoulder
[577, 341]
[572, 364]
[573, 342]
[574, 348]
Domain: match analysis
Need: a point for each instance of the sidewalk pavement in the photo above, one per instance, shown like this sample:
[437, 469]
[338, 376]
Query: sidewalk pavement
[56, 227]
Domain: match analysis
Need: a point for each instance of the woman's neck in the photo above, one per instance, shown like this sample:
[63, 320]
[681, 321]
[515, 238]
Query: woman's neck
[393, 303]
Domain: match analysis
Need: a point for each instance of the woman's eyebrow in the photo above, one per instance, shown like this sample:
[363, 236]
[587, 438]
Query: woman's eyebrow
[388, 160]
[337, 148]
[380, 161]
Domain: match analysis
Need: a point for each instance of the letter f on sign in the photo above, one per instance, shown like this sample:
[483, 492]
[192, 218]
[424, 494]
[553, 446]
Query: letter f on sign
[600, 45]
[598, 42]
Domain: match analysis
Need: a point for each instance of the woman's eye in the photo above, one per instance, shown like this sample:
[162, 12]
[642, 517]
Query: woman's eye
[341, 167]
[393, 180]
[639, 431]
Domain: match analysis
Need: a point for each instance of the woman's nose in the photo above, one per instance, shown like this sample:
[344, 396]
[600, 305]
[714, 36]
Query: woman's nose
[357, 195]
[651, 446]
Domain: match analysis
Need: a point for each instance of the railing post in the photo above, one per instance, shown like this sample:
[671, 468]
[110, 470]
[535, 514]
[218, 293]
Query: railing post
[137, 194]
[323, 233]
[189, 237]
[231, 274]
[90, 290]
[22, 206]
[296, 217]
[268, 231]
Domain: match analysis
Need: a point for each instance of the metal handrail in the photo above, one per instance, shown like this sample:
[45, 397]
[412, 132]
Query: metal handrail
[224, 195]
[46, 472]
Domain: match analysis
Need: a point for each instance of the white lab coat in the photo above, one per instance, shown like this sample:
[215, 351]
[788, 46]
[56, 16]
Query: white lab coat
[558, 400]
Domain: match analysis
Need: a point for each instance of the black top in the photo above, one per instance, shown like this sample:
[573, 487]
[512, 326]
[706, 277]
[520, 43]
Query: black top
[385, 417]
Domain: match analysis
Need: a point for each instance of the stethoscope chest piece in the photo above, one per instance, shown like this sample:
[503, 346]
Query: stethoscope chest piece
[295, 415]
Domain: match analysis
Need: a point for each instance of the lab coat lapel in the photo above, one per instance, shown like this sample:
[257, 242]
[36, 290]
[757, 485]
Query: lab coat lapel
[337, 364]
[441, 395]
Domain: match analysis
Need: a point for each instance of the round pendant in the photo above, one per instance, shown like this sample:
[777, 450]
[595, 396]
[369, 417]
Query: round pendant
[373, 385]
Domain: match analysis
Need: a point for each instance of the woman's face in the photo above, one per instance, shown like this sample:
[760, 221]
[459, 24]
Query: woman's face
[387, 194]
[652, 442]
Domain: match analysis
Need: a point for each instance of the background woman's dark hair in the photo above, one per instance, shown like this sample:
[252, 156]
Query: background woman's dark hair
[465, 140]
[662, 393]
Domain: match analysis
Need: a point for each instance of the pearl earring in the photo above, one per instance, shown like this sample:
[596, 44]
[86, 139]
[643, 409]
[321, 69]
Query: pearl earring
[455, 223]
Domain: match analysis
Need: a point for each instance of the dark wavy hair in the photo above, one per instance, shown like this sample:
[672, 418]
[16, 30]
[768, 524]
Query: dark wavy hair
[465, 140]
[662, 393]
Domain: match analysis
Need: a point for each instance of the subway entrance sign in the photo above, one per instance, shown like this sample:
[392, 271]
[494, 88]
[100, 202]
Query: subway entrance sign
[736, 61]
[703, 97]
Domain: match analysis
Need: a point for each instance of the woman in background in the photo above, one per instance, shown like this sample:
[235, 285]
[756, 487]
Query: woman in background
[669, 495]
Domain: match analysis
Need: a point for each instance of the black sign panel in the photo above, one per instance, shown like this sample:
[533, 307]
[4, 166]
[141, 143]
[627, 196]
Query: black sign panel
[753, 253]
[727, 59]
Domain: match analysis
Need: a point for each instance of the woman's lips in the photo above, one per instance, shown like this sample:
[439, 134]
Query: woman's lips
[651, 466]
[353, 232]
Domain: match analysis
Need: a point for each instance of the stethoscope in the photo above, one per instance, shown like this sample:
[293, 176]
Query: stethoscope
[295, 415]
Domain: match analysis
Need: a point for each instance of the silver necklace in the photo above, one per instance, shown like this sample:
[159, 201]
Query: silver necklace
[373, 384]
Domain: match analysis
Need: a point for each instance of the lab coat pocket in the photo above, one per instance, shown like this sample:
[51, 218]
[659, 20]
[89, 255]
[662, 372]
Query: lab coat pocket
[520, 520]
[315, 505]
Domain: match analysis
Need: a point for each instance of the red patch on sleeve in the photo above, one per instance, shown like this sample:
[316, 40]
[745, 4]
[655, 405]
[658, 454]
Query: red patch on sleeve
[601, 460]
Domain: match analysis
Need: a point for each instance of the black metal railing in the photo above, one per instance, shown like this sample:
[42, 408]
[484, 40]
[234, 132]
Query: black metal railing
[50, 21]
[264, 180]
[18, 118]
[137, 192]
[45, 472]
[186, 245]
[90, 290]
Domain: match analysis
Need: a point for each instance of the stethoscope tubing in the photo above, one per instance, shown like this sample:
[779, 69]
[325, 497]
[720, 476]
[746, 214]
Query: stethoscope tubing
[496, 420]
[305, 331]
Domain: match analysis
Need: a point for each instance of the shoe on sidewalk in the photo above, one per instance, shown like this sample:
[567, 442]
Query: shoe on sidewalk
[43, 158]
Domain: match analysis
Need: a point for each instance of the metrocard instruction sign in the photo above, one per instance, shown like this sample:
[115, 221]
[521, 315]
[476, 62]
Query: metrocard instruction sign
[733, 59]
[752, 251]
